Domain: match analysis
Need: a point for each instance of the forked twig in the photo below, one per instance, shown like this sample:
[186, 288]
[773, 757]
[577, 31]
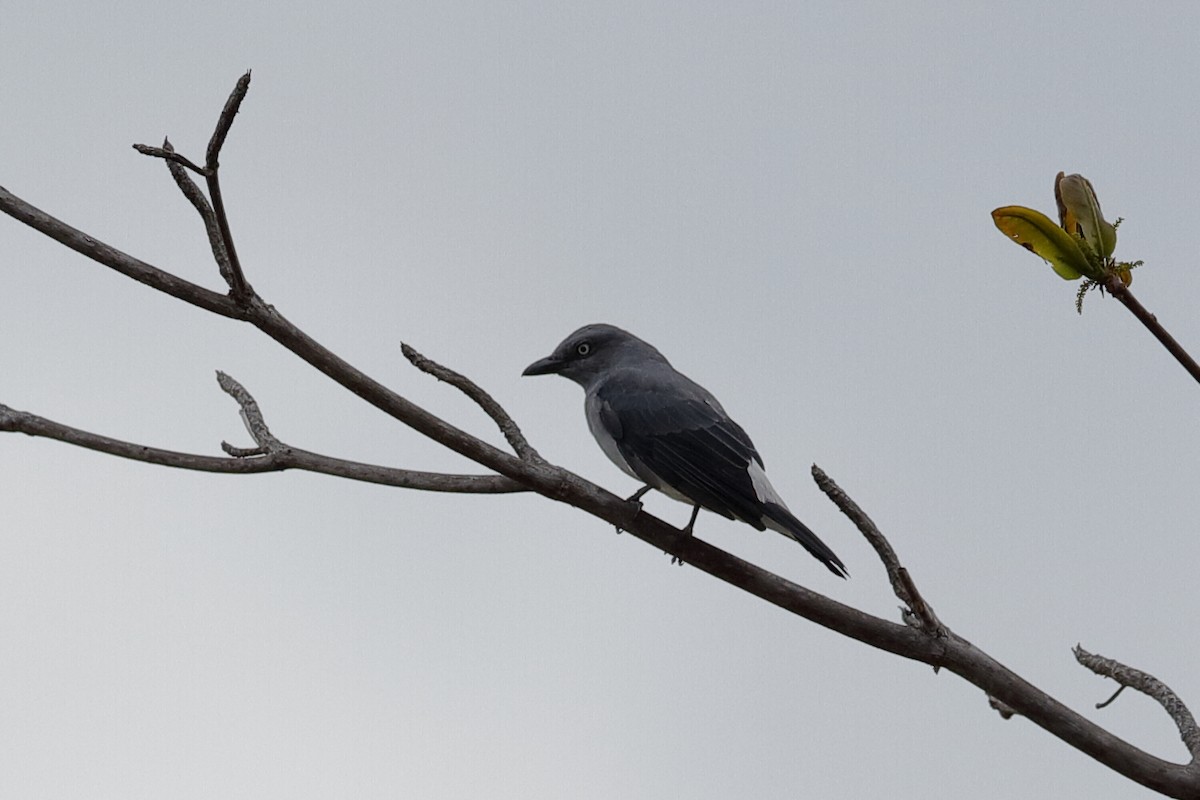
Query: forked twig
[250, 461]
[216, 221]
[1148, 685]
[251, 417]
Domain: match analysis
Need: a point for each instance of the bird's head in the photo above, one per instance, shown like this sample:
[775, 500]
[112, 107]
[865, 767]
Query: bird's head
[591, 352]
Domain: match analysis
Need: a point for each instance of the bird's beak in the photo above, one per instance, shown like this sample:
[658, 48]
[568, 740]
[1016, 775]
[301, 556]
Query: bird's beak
[544, 366]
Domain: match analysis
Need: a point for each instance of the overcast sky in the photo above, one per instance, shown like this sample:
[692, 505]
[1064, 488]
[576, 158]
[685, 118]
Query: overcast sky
[790, 200]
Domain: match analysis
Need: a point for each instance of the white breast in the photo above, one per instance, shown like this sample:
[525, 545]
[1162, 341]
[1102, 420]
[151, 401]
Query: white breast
[608, 444]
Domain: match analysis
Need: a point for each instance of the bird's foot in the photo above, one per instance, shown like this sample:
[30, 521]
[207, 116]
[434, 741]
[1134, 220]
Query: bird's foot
[636, 497]
[686, 531]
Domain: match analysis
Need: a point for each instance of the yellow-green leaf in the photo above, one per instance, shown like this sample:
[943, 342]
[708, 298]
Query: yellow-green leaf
[1038, 234]
[1079, 213]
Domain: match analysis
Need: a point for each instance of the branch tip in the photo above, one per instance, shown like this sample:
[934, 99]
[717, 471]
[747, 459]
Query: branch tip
[251, 415]
[1148, 685]
[225, 121]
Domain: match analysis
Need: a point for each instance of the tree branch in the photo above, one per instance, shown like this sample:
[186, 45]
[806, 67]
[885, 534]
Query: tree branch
[285, 458]
[275, 325]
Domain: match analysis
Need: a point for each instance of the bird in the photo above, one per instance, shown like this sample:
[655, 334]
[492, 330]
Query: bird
[668, 432]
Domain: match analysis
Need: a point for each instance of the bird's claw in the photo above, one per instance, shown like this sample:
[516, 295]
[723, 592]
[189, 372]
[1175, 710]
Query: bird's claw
[636, 497]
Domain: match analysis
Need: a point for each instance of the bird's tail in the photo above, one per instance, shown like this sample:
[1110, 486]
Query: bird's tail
[778, 518]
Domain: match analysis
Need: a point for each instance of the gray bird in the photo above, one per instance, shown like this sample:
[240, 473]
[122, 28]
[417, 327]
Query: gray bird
[668, 432]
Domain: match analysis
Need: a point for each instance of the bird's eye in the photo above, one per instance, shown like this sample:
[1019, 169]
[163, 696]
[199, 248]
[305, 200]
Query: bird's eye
[583, 348]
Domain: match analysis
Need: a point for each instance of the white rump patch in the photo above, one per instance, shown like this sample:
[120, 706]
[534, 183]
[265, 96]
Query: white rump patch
[762, 487]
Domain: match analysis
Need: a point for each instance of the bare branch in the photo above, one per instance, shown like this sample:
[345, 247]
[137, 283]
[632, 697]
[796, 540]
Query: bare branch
[920, 614]
[216, 222]
[1010, 692]
[481, 398]
[15, 421]
[237, 279]
[273, 324]
[1148, 685]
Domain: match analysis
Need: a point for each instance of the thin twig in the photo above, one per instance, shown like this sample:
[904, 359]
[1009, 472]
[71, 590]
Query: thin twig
[902, 584]
[1148, 685]
[1109, 701]
[1120, 291]
[239, 287]
[167, 153]
[481, 398]
[225, 121]
[196, 197]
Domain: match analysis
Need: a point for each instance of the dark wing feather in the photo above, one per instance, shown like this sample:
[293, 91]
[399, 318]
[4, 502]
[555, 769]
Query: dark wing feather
[675, 429]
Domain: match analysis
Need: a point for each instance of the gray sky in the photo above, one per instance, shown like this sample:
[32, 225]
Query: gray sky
[790, 200]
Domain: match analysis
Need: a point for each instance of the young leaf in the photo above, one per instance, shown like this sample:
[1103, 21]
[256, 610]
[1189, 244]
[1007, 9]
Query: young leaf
[1038, 234]
[1079, 212]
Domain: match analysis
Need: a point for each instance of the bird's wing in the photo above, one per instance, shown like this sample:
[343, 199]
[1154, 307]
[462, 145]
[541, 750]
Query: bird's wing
[670, 427]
